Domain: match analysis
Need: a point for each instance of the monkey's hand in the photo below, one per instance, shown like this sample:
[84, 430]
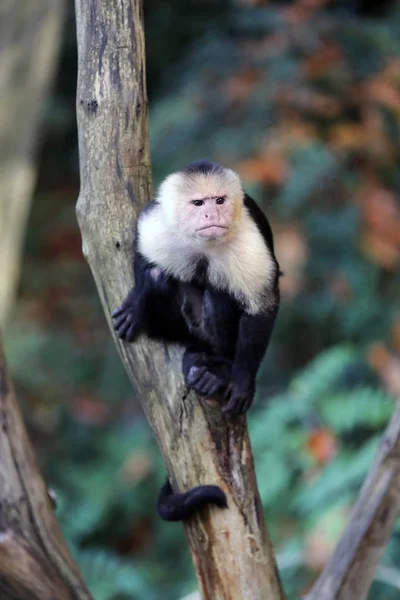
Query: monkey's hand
[239, 395]
[207, 375]
[127, 319]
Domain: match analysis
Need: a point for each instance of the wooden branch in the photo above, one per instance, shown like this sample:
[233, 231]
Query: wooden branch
[35, 563]
[351, 569]
[30, 34]
[231, 550]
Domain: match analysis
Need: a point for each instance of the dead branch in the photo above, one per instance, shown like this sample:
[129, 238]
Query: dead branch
[35, 563]
[231, 550]
[351, 569]
[30, 34]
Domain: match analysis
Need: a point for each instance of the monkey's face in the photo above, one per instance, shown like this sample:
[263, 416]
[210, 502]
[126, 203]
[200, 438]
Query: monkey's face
[203, 206]
[209, 218]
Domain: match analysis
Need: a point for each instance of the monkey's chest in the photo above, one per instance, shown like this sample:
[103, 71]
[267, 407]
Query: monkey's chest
[194, 310]
[209, 314]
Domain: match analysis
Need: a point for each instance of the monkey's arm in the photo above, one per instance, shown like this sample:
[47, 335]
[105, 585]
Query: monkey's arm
[252, 343]
[254, 330]
[128, 318]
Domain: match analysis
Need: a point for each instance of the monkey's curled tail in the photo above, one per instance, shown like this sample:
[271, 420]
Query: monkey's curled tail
[176, 507]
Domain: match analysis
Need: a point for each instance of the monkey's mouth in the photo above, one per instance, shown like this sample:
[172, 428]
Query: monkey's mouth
[212, 228]
[212, 232]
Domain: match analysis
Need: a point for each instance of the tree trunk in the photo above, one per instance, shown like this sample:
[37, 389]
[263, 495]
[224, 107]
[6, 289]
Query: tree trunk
[29, 40]
[351, 569]
[35, 563]
[231, 550]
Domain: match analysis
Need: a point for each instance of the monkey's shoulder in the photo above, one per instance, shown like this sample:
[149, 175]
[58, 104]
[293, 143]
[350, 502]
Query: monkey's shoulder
[245, 267]
[260, 220]
[148, 209]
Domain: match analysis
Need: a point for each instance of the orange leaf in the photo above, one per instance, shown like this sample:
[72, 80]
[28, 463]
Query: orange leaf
[382, 218]
[292, 252]
[378, 356]
[327, 56]
[271, 169]
[396, 334]
[302, 9]
[65, 243]
[90, 410]
[380, 250]
[136, 467]
[384, 93]
[387, 365]
[348, 136]
[322, 445]
[240, 86]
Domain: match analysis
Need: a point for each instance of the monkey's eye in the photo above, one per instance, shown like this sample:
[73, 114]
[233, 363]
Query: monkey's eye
[198, 202]
[220, 200]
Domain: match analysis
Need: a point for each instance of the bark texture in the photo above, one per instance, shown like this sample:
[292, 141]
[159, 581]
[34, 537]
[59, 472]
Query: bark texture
[231, 550]
[35, 563]
[29, 41]
[352, 567]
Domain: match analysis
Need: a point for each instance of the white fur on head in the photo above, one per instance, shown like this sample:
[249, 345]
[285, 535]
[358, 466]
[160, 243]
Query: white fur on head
[178, 189]
[241, 264]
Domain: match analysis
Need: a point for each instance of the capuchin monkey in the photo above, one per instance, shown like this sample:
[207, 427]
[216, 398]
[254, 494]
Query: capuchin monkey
[206, 277]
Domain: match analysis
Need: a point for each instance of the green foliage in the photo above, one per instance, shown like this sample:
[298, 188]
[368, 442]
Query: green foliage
[110, 578]
[306, 108]
[337, 397]
[361, 407]
[106, 488]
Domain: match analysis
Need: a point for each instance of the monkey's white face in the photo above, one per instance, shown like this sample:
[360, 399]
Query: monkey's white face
[206, 207]
[209, 218]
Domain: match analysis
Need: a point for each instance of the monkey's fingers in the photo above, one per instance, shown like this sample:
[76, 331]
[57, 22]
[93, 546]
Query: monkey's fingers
[203, 382]
[121, 320]
[118, 311]
[212, 385]
[235, 405]
[132, 332]
[124, 326]
[229, 407]
[195, 373]
[227, 393]
[246, 405]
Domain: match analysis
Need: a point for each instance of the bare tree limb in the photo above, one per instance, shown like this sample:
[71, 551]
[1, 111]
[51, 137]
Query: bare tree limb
[351, 569]
[231, 550]
[30, 35]
[35, 563]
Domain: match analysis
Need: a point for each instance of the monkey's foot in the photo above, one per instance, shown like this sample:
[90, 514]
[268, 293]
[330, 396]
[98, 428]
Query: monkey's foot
[125, 324]
[239, 399]
[206, 375]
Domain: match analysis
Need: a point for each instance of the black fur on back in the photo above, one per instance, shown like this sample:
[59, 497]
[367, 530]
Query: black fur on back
[175, 507]
[202, 166]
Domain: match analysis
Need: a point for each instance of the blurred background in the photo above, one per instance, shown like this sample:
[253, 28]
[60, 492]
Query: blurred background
[303, 99]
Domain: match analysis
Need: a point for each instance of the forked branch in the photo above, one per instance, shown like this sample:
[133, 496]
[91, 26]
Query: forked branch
[231, 550]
